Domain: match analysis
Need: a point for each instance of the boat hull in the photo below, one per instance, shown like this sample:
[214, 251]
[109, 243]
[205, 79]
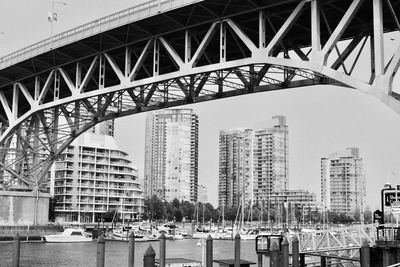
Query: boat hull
[66, 239]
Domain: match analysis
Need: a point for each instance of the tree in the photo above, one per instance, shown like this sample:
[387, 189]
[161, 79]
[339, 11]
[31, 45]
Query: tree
[154, 208]
[357, 214]
[187, 210]
[368, 215]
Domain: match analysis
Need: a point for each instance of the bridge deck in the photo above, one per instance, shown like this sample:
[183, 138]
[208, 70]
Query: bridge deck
[140, 23]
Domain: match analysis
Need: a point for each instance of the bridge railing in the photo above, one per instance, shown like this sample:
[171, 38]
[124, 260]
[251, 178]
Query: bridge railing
[123, 17]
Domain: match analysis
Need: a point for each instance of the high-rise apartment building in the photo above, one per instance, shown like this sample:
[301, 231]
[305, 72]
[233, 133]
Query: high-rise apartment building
[103, 128]
[235, 167]
[171, 155]
[271, 159]
[253, 163]
[343, 182]
[93, 176]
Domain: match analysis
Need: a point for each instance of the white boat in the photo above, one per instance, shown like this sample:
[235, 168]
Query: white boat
[70, 235]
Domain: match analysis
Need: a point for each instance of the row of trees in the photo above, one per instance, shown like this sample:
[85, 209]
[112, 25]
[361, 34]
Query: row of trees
[156, 209]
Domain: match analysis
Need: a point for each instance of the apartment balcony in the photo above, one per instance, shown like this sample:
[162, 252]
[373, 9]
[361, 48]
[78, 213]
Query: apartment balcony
[88, 152]
[113, 194]
[86, 169]
[119, 163]
[100, 209]
[87, 160]
[87, 177]
[69, 150]
[101, 177]
[63, 209]
[128, 210]
[101, 186]
[88, 185]
[86, 201]
[63, 167]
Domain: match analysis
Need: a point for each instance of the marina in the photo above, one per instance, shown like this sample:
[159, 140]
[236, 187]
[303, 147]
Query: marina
[38, 254]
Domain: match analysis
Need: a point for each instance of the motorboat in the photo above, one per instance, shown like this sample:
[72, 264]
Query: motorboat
[70, 235]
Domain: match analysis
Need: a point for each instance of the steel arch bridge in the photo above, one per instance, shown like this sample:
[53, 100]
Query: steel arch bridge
[166, 53]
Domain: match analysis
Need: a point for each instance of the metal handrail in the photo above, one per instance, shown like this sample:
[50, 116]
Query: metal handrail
[94, 27]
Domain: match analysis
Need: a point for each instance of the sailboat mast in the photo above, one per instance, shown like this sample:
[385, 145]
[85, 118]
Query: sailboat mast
[223, 216]
[203, 214]
[197, 212]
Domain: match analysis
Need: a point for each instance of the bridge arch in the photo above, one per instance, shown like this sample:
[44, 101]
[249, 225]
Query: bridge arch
[102, 77]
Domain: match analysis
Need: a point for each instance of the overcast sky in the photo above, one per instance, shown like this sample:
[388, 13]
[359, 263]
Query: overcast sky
[321, 119]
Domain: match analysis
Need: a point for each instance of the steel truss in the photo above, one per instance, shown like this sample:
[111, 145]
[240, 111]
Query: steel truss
[43, 113]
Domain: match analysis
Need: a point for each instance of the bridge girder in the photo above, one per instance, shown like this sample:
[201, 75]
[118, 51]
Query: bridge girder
[42, 113]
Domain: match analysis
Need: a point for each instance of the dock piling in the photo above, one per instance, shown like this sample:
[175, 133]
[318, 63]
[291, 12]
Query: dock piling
[16, 251]
[365, 259]
[131, 253]
[101, 251]
[295, 252]
[237, 250]
[149, 259]
[163, 240]
[285, 252]
[209, 251]
[274, 258]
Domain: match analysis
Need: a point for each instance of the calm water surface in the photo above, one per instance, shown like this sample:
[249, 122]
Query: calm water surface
[84, 254]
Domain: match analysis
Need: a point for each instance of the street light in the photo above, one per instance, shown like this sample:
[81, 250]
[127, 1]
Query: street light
[52, 17]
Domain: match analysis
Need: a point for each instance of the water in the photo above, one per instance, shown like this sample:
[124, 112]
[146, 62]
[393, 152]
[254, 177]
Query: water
[84, 254]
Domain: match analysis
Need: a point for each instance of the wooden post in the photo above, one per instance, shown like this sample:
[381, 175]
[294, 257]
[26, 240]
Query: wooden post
[365, 260]
[285, 252]
[162, 250]
[101, 251]
[209, 251]
[295, 252]
[16, 251]
[237, 250]
[302, 260]
[260, 260]
[131, 253]
[323, 261]
[149, 259]
[274, 258]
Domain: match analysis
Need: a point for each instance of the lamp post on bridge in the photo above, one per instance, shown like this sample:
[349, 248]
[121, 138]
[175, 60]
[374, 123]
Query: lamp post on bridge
[52, 17]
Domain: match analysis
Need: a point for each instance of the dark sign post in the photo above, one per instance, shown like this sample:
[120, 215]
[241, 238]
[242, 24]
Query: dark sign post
[377, 216]
[388, 196]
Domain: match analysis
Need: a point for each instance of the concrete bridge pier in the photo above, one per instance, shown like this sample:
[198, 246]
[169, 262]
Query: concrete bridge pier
[23, 208]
